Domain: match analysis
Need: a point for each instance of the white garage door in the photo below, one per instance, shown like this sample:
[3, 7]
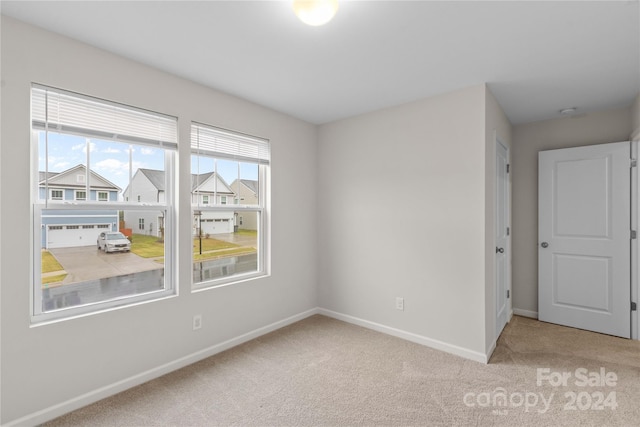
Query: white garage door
[217, 226]
[65, 236]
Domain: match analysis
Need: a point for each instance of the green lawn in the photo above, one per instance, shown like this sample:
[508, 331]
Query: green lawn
[49, 263]
[150, 247]
[146, 246]
[247, 232]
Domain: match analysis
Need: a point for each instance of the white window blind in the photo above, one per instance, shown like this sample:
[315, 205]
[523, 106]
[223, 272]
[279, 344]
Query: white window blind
[57, 110]
[225, 144]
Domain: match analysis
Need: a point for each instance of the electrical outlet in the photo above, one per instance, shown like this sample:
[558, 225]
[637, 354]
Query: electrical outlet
[197, 322]
[399, 303]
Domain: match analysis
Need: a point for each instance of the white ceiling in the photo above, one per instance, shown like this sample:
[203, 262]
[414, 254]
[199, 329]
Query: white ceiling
[537, 56]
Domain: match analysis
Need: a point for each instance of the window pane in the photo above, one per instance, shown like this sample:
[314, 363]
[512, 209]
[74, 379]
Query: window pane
[223, 245]
[220, 248]
[91, 256]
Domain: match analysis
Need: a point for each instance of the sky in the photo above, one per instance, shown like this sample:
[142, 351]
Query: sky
[111, 159]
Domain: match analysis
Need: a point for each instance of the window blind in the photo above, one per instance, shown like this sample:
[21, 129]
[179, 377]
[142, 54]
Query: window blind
[225, 144]
[61, 111]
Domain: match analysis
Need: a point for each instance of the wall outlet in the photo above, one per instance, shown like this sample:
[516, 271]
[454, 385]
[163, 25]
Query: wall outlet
[197, 322]
[399, 303]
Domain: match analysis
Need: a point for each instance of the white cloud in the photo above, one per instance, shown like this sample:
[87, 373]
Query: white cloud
[83, 147]
[147, 151]
[111, 150]
[115, 166]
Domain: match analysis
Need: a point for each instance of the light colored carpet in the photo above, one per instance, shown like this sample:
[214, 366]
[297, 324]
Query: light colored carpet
[323, 372]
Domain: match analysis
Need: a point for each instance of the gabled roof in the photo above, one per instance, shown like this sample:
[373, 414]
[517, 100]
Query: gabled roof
[156, 177]
[251, 185]
[43, 175]
[57, 178]
[198, 180]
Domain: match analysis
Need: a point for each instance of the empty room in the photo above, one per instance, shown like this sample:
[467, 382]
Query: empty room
[241, 213]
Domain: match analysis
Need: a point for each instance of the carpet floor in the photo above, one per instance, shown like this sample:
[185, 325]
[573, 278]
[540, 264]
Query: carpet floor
[324, 372]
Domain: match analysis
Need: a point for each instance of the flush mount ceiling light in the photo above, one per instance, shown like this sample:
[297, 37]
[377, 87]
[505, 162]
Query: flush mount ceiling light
[315, 12]
[566, 111]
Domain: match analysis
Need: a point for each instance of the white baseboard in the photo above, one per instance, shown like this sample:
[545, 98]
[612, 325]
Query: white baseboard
[111, 389]
[409, 336]
[525, 313]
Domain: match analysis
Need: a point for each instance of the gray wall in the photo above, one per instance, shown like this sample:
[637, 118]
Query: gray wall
[430, 156]
[528, 140]
[50, 364]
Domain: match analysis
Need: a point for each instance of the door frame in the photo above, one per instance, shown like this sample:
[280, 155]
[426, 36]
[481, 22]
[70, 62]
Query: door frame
[507, 249]
[635, 284]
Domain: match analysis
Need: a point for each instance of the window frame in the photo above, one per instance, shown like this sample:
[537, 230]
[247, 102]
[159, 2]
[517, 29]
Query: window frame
[106, 198]
[51, 190]
[75, 195]
[262, 210]
[168, 209]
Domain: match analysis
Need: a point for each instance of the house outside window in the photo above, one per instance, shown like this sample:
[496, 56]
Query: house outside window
[218, 158]
[104, 132]
[205, 199]
[140, 223]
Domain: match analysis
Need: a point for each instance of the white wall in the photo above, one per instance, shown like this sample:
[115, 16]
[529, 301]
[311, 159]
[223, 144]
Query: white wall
[429, 154]
[529, 139]
[47, 365]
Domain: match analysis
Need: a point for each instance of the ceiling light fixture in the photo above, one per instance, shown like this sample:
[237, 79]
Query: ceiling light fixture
[315, 12]
[566, 111]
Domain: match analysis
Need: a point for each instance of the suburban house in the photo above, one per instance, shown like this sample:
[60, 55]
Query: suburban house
[431, 114]
[148, 186]
[246, 191]
[64, 228]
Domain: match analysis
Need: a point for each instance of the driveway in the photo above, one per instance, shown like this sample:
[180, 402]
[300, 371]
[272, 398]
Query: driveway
[88, 263]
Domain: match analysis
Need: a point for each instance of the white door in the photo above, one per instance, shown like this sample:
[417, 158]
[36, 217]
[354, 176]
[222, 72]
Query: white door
[502, 236]
[584, 238]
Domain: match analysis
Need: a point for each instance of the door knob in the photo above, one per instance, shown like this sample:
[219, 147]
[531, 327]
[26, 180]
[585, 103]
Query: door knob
[500, 250]
[544, 245]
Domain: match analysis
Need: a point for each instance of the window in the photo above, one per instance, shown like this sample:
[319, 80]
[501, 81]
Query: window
[220, 161]
[205, 199]
[140, 223]
[57, 195]
[86, 142]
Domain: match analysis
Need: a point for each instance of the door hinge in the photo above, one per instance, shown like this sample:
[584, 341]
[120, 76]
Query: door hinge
[508, 231]
[634, 306]
[508, 168]
[634, 163]
[508, 294]
[634, 234]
